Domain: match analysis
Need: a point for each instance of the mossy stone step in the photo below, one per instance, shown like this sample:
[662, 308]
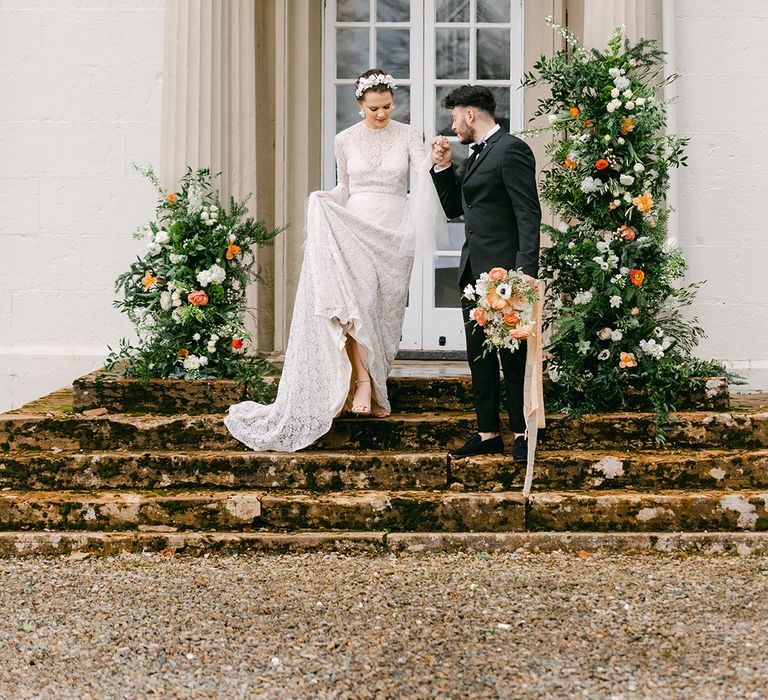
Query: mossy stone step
[625, 511]
[430, 392]
[258, 510]
[166, 469]
[420, 432]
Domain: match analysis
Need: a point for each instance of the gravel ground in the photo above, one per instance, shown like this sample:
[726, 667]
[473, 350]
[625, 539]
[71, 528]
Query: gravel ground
[333, 626]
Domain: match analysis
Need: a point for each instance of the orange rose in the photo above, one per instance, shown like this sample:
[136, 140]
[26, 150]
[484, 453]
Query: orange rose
[237, 343]
[199, 298]
[601, 164]
[182, 352]
[497, 274]
[172, 198]
[637, 277]
[232, 250]
[479, 316]
[574, 112]
[569, 163]
[148, 280]
[627, 359]
[626, 233]
[627, 125]
[495, 300]
[511, 319]
[520, 333]
[643, 202]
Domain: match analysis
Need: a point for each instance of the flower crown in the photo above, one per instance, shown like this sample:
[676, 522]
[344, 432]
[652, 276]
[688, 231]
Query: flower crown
[372, 80]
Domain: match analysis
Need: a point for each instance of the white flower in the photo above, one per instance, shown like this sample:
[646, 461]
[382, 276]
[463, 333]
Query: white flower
[562, 227]
[640, 101]
[627, 197]
[196, 336]
[621, 82]
[583, 346]
[175, 316]
[598, 259]
[614, 72]
[607, 138]
[153, 248]
[626, 179]
[639, 167]
[615, 92]
[214, 274]
[633, 62]
[658, 332]
[603, 355]
[615, 279]
[504, 290]
[235, 284]
[558, 303]
[590, 184]
[194, 199]
[469, 291]
[552, 118]
[630, 105]
[603, 247]
[616, 102]
[175, 258]
[615, 301]
[554, 373]
[192, 362]
[624, 270]
[583, 298]
[652, 348]
[620, 141]
[510, 343]
[605, 334]
[162, 237]
[616, 335]
[176, 299]
[610, 107]
[166, 301]
[203, 360]
[571, 245]
[628, 94]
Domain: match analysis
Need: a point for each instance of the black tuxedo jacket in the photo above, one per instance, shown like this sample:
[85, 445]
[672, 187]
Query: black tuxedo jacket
[500, 204]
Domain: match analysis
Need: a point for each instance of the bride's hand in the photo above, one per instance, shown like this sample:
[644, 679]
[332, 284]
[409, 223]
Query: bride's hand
[441, 152]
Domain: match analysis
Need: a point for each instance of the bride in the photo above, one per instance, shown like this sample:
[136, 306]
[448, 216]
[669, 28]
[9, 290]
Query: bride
[353, 285]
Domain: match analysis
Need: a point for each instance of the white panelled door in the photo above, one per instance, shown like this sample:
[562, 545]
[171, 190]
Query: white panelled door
[430, 47]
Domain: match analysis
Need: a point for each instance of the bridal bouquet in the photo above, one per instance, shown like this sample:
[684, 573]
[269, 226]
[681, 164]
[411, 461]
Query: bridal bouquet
[504, 308]
[186, 294]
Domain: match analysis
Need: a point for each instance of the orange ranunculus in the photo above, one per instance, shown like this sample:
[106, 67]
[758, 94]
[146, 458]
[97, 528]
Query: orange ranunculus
[643, 202]
[478, 315]
[602, 164]
[569, 163]
[148, 280]
[182, 352]
[588, 123]
[232, 250]
[511, 319]
[627, 359]
[237, 343]
[172, 198]
[613, 206]
[497, 274]
[574, 112]
[626, 233]
[637, 277]
[496, 302]
[198, 298]
[520, 333]
[627, 125]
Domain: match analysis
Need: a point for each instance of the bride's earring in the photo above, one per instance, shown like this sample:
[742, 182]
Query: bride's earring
[361, 113]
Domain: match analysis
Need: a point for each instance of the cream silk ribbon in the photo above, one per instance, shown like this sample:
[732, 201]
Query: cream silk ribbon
[533, 391]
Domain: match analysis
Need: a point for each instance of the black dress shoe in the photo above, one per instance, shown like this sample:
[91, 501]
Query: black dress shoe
[476, 446]
[520, 450]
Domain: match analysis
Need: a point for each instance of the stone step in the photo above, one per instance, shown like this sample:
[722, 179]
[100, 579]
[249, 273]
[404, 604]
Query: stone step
[165, 469]
[411, 393]
[624, 511]
[335, 471]
[80, 545]
[255, 510]
[418, 432]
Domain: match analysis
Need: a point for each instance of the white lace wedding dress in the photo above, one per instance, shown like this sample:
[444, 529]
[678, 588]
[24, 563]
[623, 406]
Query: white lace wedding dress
[354, 280]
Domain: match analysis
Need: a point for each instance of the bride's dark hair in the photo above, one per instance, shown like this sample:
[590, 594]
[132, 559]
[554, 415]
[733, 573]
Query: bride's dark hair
[379, 87]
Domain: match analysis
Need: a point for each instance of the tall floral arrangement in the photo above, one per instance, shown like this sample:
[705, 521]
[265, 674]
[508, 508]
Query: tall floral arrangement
[616, 307]
[186, 294]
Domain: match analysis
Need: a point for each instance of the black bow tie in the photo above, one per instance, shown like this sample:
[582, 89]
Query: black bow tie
[477, 147]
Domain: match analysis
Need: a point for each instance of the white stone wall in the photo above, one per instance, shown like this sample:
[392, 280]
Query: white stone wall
[80, 85]
[723, 97]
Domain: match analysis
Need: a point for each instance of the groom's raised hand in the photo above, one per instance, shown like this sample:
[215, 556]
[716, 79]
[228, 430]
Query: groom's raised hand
[441, 153]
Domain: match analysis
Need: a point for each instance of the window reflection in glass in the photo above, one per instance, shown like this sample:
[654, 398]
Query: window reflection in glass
[402, 111]
[452, 53]
[393, 51]
[347, 109]
[452, 10]
[393, 10]
[493, 54]
[443, 115]
[447, 295]
[353, 10]
[493, 10]
[352, 50]
[502, 105]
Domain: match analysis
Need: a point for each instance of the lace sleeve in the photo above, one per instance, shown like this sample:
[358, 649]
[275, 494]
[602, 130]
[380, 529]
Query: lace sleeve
[342, 173]
[416, 152]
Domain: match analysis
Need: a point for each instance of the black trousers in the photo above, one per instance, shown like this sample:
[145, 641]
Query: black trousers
[486, 383]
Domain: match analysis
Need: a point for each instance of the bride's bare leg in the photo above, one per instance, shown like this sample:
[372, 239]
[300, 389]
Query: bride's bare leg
[361, 402]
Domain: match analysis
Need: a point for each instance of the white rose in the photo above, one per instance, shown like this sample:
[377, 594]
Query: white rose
[630, 105]
[640, 101]
[628, 94]
[610, 107]
[153, 248]
[626, 179]
[162, 237]
[621, 82]
[639, 167]
[616, 335]
[166, 301]
[605, 334]
[620, 141]
[615, 92]
[191, 362]
[175, 258]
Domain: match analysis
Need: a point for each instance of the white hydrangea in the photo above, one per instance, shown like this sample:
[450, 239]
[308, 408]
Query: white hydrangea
[590, 184]
[215, 274]
[652, 348]
[626, 179]
[615, 301]
[583, 298]
[194, 198]
[166, 301]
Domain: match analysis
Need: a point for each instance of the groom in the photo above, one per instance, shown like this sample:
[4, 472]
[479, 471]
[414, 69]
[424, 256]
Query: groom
[497, 196]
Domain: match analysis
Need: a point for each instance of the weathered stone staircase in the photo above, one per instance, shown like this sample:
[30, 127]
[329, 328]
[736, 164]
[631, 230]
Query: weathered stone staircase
[109, 466]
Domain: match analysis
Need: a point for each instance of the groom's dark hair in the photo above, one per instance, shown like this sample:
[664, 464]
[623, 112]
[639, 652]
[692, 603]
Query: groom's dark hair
[471, 96]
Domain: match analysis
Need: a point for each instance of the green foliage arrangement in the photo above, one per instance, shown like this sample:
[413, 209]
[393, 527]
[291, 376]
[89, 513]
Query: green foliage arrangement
[186, 295]
[616, 305]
